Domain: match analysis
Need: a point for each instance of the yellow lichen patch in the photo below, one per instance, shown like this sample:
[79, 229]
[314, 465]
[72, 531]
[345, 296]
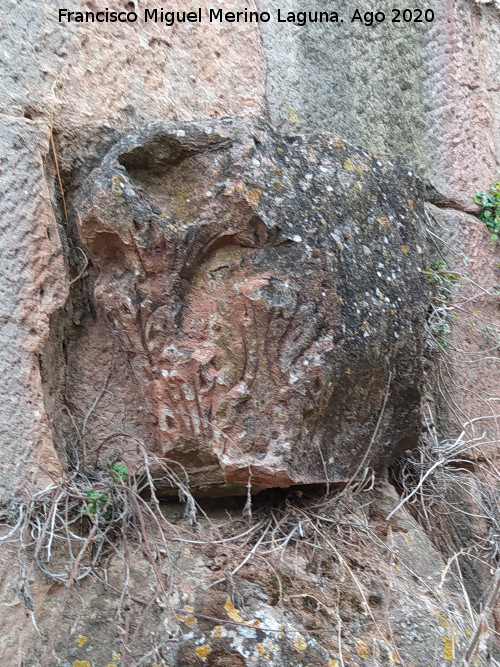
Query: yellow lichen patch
[279, 150]
[447, 647]
[188, 618]
[362, 649]
[111, 664]
[393, 660]
[440, 617]
[383, 222]
[300, 643]
[217, 631]
[261, 651]
[232, 612]
[333, 663]
[82, 640]
[116, 183]
[202, 651]
[81, 663]
[117, 656]
[253, 196]
[348, 165]
[405, 249]
[291, 113]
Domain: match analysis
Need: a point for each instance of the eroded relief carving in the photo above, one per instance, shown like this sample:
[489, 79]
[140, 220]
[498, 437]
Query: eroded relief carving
[265, 289]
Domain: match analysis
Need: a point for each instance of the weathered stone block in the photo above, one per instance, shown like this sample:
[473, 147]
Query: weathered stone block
[268, 293]
[32, 286]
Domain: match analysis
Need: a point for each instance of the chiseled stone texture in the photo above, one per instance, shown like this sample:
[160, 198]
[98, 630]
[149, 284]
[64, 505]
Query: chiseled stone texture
[267, 291]
[87, 82]
[471, 367]
[427, 91]
[126, 72]
[32, 284]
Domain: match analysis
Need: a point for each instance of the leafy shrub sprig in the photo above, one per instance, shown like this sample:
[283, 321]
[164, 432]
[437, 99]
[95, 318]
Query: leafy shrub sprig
[98, 503]
[490, 209]
[441, 308]
[120, 473]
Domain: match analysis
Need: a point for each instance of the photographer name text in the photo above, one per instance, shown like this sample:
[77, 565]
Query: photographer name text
[170, 18]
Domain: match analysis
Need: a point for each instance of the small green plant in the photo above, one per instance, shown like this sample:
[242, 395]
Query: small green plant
[490, 209]
[439, 274]
[492, 337]
[120, 472]
[441, 309]
[97, 503]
